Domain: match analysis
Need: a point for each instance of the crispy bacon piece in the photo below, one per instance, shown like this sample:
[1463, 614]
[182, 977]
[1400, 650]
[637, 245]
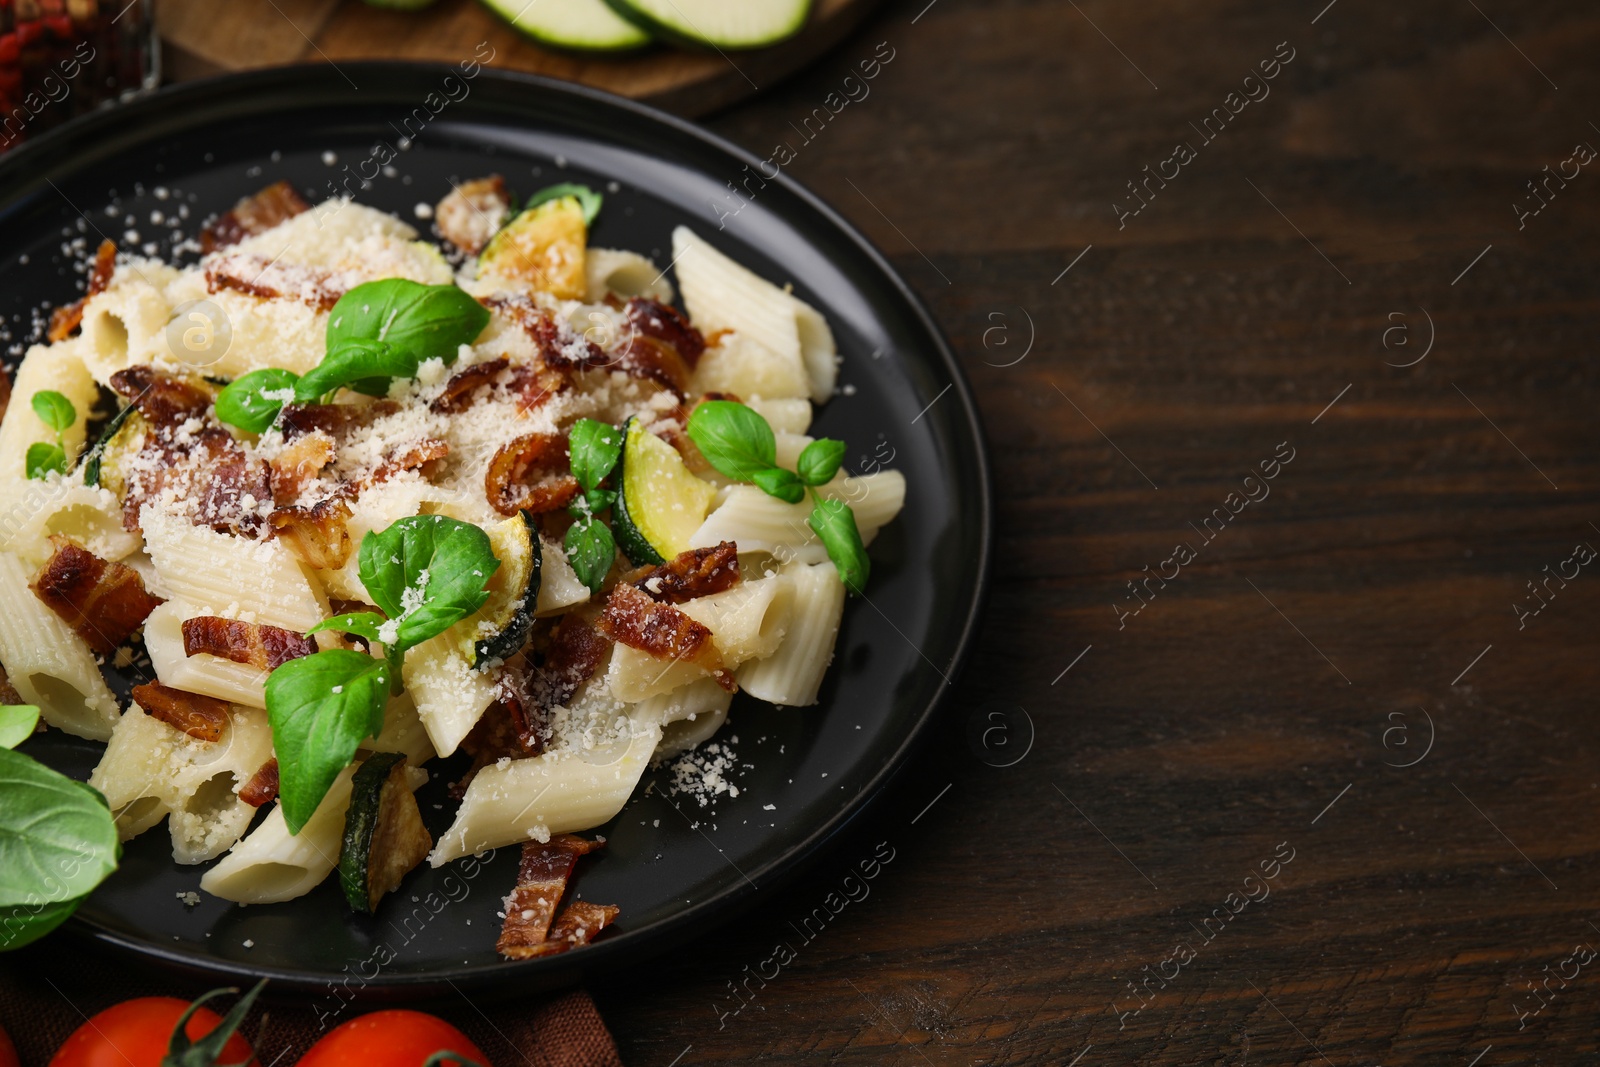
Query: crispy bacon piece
[262, 788]
[335, 420]
[660, 630]
[255, 214]
[260, 277]
[8, 692]
[5, 392]
[575, 651]
[535, 386]
[558, 347]
[415, 456]
[103, 602]
[300, 462]
[530, 474]
[541, 882]
[695, 573]
[578, 924]
[253, 644]
[458, 391]
[64, 320]
[513, 727]
[318, 535]
[196, 715]
[473, 212]
[164, 399]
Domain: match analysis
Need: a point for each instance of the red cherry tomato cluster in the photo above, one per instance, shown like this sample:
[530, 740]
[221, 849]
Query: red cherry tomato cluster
[166, 1032]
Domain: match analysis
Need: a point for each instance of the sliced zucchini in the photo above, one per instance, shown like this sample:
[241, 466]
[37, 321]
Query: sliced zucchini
[122, 437]
[585, 25]
[661, 504]
[504, 621]
[543, 249]
[717, 23]
[383, 833]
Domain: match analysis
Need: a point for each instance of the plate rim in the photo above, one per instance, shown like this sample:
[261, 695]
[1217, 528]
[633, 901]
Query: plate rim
[703, 914]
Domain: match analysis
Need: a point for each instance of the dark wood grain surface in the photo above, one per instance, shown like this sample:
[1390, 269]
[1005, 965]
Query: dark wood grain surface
[1358, 616]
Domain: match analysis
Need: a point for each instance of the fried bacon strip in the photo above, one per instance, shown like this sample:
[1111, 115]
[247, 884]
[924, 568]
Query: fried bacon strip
[473, 212]
[664, 323]
[542, 880]
[103, 602]
[255, 214]
[164, 399]
[253, 644]
[530, 474]
[574, 654]
[577, 925]
[558, 347]
[335, 420]
[513, 727]
[695, 573]
[317, 535]
[660, 630]
[458, 391]
[300, 462]
[198, 716]
[660, 345]
[262, 788]
[5, 392]
[260, 277]
[414, 456]
[64, 320]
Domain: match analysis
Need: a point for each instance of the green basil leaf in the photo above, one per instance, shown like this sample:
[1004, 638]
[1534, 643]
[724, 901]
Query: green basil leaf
[57, 838]
[366, 624]
[23, 924]
[418, 321]
[426, 573]
[252, 402]
[835, 523]
[595, 448]
[44, 457]
[54, 410]
[733, 438]
[785, 485]
[591, 550]
[599, 499]
[320, 708]
[819, 461]
[587, 198]
[355, 362]
[17, 723]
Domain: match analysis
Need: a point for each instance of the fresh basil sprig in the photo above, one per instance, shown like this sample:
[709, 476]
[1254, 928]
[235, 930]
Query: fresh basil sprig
[737, 441]
[587, 198]
[252, 401]
[426, 573]
[414, 320]
[17, 723]
[377, 332]
[56, 412]
[594, 447]
[57, 838]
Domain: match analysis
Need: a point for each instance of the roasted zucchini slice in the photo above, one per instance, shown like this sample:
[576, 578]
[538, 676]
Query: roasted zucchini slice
[501, 626]
[123, 435]
[383, 833]
[661, 504]
[543, 249]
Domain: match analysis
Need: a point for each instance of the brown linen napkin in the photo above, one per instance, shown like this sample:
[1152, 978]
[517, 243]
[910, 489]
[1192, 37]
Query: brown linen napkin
[39, 1011]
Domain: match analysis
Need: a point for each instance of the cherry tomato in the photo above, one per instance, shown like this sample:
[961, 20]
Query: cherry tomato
[8, 1052]
[136, 1033]
[390, 1039]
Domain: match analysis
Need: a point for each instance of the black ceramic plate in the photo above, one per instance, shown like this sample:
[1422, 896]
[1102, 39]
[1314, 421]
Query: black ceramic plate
[674, 867]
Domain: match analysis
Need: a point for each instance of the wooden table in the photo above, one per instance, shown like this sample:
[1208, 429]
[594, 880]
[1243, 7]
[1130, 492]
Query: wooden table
[1357, 617]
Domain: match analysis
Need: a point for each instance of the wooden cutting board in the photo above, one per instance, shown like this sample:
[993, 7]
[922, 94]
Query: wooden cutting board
[204, 37]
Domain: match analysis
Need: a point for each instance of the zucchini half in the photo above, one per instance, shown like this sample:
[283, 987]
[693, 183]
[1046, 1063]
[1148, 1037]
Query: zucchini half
[120, 439]
[717, 24]
[583, 25]
[660, 504]
[383, 833]
[544, 248]
[513, 590]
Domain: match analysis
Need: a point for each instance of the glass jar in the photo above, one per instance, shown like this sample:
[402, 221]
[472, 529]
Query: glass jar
[60, 58]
